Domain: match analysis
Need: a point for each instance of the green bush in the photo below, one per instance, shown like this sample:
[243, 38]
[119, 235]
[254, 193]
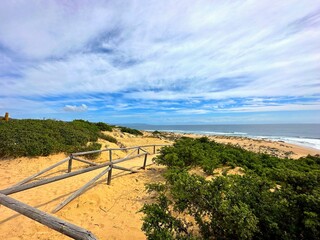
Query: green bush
[91, 147]
[108, 138]
[275, 199]
[43, 137]
[131, 131]
[188, 152]
[103, 126]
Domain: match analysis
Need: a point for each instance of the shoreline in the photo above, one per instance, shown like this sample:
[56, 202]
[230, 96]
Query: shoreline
[277, 148]
[300, 140]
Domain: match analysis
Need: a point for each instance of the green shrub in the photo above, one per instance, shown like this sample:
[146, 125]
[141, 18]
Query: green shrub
[188, 152]
[43, 137]
[103, 126]
[160, 223]
[275, 199]
[91, 147]
[108, 138]
[131, 131]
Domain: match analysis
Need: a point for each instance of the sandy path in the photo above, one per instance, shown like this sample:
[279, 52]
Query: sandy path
[110, 212]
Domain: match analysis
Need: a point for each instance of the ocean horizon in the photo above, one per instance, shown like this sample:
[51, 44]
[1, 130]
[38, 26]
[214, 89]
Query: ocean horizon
[307, 135]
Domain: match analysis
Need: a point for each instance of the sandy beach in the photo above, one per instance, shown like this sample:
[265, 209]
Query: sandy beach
[274, 148]
[109, 211]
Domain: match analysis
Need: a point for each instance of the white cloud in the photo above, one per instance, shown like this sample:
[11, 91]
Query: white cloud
[192, 111]
[74, 108]
[159, 50]
[40, 29]
[275, 108]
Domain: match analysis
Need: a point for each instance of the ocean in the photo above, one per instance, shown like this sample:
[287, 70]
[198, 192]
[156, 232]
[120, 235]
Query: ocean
[307, 135]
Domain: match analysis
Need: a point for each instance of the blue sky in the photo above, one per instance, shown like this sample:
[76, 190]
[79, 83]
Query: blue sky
[161, 62]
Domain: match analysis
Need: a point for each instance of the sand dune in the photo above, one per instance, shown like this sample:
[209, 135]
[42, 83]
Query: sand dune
[109, 211]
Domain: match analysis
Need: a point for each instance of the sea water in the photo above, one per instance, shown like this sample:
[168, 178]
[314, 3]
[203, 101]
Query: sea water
[307, 135]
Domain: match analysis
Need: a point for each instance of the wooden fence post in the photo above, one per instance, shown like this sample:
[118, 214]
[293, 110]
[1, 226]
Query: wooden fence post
[70, 163]
[145, 161]
[154, 149]
[110, 155]
[109, 175]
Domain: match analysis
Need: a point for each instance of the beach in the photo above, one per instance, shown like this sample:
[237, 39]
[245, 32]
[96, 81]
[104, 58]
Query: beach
[275, 148]
[307, 135]
[108, 211]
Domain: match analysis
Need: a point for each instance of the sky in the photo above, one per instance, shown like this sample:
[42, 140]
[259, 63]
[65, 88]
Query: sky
[161, 62]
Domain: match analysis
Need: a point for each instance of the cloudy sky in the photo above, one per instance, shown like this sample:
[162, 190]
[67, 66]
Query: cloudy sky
[174, 62]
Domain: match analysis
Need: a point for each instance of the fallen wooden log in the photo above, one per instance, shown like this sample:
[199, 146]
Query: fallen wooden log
[46, 219]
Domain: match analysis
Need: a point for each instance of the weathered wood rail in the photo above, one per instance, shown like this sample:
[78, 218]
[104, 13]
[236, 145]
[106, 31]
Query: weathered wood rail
[50, 221]
[55, 223]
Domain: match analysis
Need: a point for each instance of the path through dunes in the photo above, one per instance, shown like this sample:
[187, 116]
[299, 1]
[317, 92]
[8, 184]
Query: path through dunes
[110, 212]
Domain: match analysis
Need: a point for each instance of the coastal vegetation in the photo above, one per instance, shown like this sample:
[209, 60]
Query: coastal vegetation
[108, 138]
[273, 198]
[131, 131]
[156, 133]
[104, 127]
[269, 198]
[30, 137]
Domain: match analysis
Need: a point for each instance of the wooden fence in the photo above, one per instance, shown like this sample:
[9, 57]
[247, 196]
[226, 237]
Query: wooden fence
[55, 223]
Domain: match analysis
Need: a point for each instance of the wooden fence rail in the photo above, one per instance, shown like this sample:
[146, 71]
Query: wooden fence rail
[81, 190]
[57, 224]
[120, 149]
[28, 179]
[46, 219]
[26, 186]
